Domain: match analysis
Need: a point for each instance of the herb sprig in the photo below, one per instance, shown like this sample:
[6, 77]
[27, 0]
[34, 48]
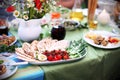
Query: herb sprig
[5, 48]
[1, 61]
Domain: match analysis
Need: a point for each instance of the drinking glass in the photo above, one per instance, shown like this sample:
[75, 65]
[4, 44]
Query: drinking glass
[93, 24]
[76, 13]
[92, 4]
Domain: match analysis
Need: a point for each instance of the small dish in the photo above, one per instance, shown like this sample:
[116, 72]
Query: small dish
[7, 40]
[70, 24]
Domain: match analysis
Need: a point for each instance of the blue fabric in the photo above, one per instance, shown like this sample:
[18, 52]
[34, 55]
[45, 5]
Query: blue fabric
[28, 75]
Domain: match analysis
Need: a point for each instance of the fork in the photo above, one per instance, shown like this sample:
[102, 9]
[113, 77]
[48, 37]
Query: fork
[16, 64]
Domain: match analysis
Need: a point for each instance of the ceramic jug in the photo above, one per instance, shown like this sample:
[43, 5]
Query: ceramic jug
[29, 30]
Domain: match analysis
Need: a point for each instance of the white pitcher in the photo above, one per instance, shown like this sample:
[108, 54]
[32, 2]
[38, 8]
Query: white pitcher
[29, 30]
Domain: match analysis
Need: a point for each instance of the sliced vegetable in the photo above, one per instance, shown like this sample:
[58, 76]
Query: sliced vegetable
[76, 48]
[113, 40]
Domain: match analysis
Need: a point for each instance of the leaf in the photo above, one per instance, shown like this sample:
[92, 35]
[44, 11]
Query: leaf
[41, 36]
[1, 61]
[5, 48]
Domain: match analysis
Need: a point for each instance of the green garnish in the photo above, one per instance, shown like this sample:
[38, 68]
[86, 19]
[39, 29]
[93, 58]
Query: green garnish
[1, 61]
[76, 48]
[5, 48]
[83, 25]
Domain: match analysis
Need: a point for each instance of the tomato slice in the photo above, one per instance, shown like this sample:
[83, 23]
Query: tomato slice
[50, 58]
[113, 40]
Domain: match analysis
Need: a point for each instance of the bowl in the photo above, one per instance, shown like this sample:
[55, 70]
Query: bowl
[70, 24]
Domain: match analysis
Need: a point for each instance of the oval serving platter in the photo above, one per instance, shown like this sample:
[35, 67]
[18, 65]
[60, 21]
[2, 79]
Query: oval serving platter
[82, 55]
[36, 62]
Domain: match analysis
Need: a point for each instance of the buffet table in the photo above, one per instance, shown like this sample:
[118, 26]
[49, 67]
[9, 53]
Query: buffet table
[98, 64]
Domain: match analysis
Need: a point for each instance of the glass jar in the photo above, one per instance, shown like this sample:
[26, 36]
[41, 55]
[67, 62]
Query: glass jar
[58, 32]
[3, 26]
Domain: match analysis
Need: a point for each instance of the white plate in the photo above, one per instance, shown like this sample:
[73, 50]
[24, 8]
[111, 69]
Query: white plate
[10, 69]
[105, 34]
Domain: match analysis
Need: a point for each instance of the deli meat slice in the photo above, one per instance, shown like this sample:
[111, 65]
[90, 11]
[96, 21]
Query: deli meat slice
[20, 51]
[30, 52]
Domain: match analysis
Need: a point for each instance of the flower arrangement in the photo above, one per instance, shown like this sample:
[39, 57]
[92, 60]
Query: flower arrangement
[32, 9]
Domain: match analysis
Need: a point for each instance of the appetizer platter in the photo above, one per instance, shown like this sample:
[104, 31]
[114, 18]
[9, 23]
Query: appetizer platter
[7, 40]
[51, 51]
[6, 70]
[102, 39]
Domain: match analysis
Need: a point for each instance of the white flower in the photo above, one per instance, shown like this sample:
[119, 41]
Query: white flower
[25, 12]
[16, 13]
[25, 17]
[30, 5]
[36, 9]
[54, 2]
[30, 1]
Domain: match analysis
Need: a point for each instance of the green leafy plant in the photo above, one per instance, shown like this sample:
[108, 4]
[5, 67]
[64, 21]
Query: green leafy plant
[5, 48]
[1, 61]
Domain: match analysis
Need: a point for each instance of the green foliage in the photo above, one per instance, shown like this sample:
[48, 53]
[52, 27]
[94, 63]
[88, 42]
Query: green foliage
[1, 61]
[5, 48]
